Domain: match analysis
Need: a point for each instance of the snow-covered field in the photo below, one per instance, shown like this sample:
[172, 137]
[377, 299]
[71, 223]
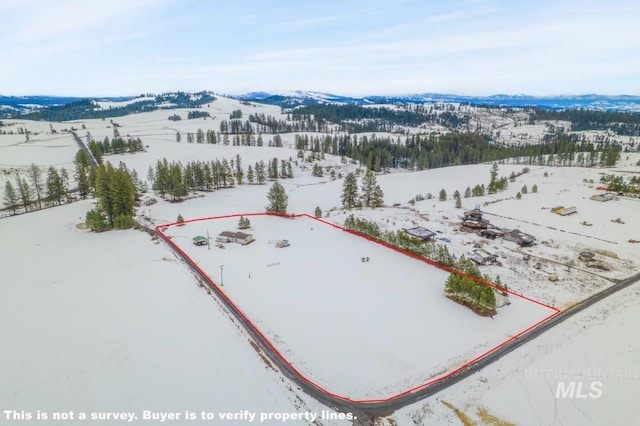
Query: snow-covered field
[364, 330]
[114, 322]
[43, 149]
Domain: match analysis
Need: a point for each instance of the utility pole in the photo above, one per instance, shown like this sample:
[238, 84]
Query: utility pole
[221, 269]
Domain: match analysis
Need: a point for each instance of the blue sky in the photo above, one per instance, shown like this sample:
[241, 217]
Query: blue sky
[469, 47]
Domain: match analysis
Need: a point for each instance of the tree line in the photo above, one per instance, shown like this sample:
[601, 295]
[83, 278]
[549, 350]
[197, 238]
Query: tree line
[30, 193]
[177, 180]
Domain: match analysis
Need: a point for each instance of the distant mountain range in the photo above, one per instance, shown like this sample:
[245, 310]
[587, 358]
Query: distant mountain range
[18, 105]
[598, 102]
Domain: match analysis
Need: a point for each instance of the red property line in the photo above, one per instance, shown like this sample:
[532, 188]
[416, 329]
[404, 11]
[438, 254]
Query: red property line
[161, 228]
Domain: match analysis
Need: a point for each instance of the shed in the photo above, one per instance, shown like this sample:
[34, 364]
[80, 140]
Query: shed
[606, 196]
[423, 234]
[520, 238]
[199, 240]
[482, 257]
[492, 234]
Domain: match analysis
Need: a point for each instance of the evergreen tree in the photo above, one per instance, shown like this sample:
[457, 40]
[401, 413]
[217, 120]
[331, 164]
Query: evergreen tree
[369, 185]
[35, 174]
[64, 176]
[317, 212]
[377, 200]
[116, 191]
[350, 191]
[178, 137]
[467, 192]
[55, 187]
[260, 172]
[250, 175]
[458, 203]
[180, 219]
[518, 196]
[493, 182]
[442, 195]
[278, 199]
[26, 193]
[534, 188]
[524, 189]
[83, 168]
[10, 198]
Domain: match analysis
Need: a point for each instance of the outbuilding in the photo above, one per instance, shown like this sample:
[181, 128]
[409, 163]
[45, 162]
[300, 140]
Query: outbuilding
[423, 234]
[234, 237]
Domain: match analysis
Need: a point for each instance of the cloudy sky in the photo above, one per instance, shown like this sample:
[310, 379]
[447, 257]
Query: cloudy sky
[470, 47]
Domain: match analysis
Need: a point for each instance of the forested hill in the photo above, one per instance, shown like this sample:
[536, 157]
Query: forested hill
[88, 109]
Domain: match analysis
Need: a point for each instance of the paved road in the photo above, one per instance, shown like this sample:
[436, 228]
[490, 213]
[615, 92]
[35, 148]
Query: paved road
[367, 411]
[83, 147]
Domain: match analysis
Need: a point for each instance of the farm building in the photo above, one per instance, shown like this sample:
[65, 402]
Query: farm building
[234, 237]
[492, 234]
[607, 196]
[519, 237]
[199, 240]
[482, 257]
[423, 234]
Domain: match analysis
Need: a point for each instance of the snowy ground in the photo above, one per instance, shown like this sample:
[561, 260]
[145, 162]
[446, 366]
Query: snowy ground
[337, 318]
[596, 350]
[114, 322]
[43, 148]
[116, 365]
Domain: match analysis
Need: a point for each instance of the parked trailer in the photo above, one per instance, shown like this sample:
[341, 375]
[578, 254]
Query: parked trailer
[567, 211]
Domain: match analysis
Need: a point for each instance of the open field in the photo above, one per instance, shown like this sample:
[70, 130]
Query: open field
[364, 330]
[114, 322]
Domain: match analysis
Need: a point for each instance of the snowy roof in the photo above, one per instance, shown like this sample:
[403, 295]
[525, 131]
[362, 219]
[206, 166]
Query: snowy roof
[420, 232]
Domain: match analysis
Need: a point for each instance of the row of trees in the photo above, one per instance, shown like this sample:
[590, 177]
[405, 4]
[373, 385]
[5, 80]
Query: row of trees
[241, 139]
[178, 180]
[32, 192]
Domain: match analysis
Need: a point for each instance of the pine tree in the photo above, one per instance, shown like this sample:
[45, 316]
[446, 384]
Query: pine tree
[180, 219]
[250, 175]
[518, 196]
[458, 203]
[10, 198]
[64, 176]
[25, 192]
[55, 187]
[442, 196]
[467, 192]
[116, 192]
[350, 191]
[493, 182]
[368, 187]
[524, 189]
[317, 212]
[377, 200]
[35, 174]
[534, 188]
[278, 199]
[82, 173]
[260, 172]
